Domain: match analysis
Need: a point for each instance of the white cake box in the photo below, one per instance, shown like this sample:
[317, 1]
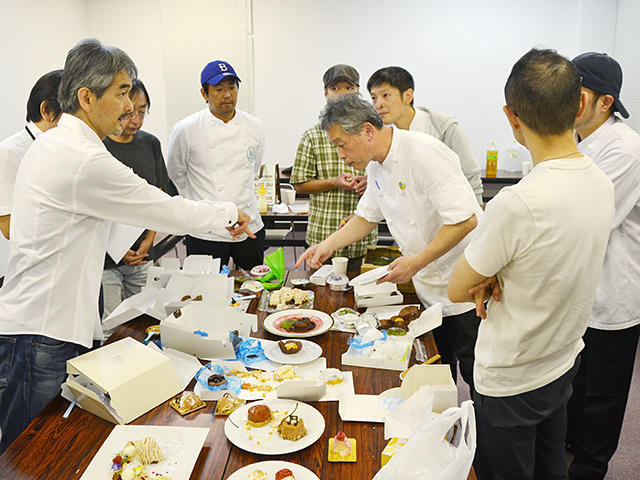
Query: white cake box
[212, 287]
[372, 295]
[438, 377]
[202, 329]
[428, 320]
[122, 380]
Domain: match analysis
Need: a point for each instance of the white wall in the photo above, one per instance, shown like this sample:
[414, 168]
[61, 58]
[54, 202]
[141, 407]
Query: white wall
[459, 52]
[170, 42]
[627, 52]
[35, 36]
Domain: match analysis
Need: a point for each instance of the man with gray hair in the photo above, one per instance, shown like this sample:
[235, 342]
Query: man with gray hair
[68, 189]
[333, 187]
[417, 186]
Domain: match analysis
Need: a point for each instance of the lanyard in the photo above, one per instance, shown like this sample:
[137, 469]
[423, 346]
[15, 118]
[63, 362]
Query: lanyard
[29, 132]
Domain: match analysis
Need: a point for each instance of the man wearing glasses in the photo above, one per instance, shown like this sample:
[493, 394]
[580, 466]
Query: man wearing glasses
[141, 152]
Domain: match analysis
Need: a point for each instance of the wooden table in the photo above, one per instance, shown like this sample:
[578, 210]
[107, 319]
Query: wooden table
[56, 448]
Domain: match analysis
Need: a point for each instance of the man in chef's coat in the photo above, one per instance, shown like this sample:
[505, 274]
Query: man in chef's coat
[416, 184]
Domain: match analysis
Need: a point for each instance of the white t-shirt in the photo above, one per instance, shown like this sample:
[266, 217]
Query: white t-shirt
[12, 149]
[212, 160]
[545, 240]
[418, 188]
[67, 189]
[615, 149]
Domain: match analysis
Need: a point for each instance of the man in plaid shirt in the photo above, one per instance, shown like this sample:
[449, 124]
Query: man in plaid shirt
[334, 188]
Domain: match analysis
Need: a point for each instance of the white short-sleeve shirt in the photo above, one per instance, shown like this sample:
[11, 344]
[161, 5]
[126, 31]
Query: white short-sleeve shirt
[418, 188]
[209, 159]
[615, 149]
[545, 240]
[67, 190]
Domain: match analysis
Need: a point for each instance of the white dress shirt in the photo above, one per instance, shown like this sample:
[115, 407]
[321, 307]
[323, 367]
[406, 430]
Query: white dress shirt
[615, 149]
[212, 160]
[418, 188]
[545, 240]
[67, 189]
[12, 149]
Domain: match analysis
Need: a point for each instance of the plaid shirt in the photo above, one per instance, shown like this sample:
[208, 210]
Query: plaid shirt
[317, 159]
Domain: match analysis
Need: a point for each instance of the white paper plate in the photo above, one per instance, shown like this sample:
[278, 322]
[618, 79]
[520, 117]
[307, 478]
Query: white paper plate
[180, 445]
[370, 276]
[322, 320]
[309, 352]
[271, 467]
[266, 440]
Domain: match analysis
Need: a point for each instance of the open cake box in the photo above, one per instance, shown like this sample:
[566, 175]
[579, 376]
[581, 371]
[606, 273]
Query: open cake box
[428, 320]
[202, 329]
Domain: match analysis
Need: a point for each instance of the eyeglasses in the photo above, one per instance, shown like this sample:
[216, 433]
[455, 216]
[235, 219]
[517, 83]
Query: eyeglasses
[141, 114]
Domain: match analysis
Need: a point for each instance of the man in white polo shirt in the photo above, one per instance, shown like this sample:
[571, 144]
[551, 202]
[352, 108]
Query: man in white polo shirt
[601, 387]
[540, 246]
[67, 190]
[215, 154]
[414, 183]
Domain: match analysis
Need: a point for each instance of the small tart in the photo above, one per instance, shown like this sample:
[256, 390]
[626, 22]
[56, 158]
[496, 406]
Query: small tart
[292, 428]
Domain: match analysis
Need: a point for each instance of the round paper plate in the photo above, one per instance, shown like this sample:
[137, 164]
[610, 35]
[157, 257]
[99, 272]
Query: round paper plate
[266, 440]
[369, 277]
[309, 352]
[322, 320]
[270, 468]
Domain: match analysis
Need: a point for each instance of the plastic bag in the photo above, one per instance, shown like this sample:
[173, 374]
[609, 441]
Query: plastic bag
[275, 261]
[441, 449]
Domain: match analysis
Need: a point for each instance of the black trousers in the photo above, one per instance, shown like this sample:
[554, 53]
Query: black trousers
[521, 437]
[596, 409]
[456, 342]
[246, 254]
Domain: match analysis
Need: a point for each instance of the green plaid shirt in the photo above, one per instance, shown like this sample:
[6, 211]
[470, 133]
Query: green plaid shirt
[317, 159]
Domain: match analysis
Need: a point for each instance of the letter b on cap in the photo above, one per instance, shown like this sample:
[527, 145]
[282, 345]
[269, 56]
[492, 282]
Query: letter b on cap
[222, 67]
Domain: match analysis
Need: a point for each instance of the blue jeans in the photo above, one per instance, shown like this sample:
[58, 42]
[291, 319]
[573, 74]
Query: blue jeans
[32, 368]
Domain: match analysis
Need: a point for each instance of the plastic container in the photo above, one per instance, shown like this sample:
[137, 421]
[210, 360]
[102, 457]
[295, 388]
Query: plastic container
[514, 158]
[262, 200]
[492, 160]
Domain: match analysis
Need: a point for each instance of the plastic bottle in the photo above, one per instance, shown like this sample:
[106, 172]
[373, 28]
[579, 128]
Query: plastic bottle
[262, 200]
[514, 160]
[492, 160]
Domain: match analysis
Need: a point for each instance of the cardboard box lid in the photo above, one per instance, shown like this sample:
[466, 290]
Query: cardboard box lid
[116, 364]
[135, 377]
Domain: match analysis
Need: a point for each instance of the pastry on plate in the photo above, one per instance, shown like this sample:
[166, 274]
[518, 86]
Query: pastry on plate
[258, 416]
[289, 347]
[292, 428]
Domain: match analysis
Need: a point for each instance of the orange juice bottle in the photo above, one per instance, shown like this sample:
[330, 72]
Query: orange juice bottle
[492, 160]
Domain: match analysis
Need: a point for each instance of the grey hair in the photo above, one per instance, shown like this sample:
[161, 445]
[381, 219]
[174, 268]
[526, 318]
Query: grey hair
[93, 65]
[350, 112]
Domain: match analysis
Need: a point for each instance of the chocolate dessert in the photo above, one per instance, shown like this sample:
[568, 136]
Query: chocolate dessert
[303, 324]
[289, 346]
[216, 380]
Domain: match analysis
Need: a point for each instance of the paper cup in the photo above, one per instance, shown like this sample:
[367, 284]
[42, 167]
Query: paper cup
[340, 264]
[288, 196]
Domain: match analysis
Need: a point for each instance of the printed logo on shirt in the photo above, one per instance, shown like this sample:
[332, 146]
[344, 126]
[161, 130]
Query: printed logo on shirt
[251, 154]
[402, 185]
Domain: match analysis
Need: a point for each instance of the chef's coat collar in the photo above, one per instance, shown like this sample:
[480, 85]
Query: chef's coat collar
[78, 125]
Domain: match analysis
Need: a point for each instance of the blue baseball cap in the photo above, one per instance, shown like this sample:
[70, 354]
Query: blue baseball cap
[216, 71]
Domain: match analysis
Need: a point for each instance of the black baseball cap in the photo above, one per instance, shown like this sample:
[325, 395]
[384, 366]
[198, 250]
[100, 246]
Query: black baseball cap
[601, 73]
[341, 72]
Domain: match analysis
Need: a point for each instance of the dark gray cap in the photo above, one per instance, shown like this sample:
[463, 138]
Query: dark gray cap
[341, 72]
